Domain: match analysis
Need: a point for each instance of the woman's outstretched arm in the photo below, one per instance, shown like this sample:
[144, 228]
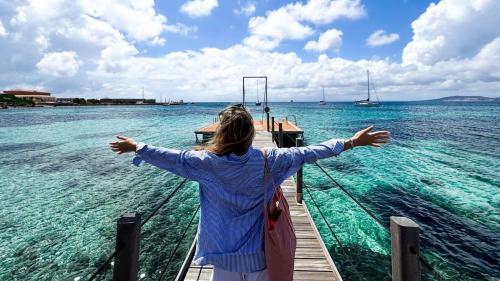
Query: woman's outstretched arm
[290, 160]
[179, 162]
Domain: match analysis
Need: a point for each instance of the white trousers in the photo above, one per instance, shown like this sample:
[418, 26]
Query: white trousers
[222, 275]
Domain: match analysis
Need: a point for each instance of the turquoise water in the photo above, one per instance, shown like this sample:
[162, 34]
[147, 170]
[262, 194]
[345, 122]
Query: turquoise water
[62, 189]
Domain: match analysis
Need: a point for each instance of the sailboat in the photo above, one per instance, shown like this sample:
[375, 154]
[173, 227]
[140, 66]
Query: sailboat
[258, 103]
[323, 101]
[367, 102]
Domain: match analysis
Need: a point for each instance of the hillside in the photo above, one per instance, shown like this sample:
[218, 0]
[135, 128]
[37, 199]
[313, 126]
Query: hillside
[467, 99]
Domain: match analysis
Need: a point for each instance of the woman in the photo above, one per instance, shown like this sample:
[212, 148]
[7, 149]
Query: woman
[230, 173]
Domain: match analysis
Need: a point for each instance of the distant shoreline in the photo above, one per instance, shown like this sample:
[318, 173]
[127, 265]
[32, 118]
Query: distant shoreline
[451, 99]
[465, 99]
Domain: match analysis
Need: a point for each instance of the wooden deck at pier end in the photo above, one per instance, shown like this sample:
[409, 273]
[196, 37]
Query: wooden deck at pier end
[293, 132]
[312, 260]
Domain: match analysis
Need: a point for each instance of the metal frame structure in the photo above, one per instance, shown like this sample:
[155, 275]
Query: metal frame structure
[265, 91]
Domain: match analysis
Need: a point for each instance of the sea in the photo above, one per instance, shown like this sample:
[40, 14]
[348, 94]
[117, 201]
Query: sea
[62, 189]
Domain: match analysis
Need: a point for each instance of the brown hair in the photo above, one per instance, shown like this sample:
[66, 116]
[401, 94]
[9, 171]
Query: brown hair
[235, 132]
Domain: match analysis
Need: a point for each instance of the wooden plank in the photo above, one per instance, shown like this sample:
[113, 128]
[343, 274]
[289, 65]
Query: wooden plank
[304, 234]
[198, 274]
[308, 253]
[299, 275]
[308, 243]
[320, 264]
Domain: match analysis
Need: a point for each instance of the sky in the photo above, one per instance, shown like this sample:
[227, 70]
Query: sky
[198, 50]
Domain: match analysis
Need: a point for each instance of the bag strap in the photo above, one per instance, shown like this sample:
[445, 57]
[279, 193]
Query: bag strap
[267, 174]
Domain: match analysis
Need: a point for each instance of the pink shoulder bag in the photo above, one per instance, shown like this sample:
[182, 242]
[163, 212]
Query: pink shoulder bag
[279, 235]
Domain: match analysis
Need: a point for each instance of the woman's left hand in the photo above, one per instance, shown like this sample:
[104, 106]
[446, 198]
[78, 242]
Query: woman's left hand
[123, 145]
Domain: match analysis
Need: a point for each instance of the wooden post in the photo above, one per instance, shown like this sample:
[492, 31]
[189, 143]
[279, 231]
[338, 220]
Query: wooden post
[280, 134]
[267, 117]
[128, 233]
[243, 86]
[272, 129]
[405, 249]
[300, 176]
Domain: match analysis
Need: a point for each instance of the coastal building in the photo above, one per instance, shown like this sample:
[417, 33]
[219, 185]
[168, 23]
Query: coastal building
[66, 100]
[33, 95]
[127, 101]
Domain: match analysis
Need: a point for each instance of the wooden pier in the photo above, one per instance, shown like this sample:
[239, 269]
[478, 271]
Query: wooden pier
[312, 260]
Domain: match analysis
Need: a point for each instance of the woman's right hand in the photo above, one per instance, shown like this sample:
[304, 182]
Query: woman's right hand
[123, 145]
[366, 137]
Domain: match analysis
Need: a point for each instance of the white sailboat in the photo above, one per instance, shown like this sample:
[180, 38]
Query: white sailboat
[367, 102]
[323, 101]
[258, 103]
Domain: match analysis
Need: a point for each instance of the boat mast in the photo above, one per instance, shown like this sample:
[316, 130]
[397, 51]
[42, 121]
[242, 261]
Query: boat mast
[368, 85]
[142, 93]
[258, 90]
[323, 93]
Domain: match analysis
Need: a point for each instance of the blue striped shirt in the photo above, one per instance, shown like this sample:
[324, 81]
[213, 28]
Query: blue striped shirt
[230, 231]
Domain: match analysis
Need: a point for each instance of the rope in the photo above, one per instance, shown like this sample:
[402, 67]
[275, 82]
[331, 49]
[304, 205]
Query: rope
[326, 221]
[430, 267]
[103, 266]
[108, 260]
[353, 198]
[164, 202]
[386, 228]
[332, 232]
[178, 243]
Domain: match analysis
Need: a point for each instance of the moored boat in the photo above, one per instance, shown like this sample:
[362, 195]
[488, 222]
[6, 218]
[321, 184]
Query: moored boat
[323, 102]
[367, 102]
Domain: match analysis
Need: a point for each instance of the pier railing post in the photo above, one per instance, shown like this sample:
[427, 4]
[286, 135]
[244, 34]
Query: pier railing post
[300, 176]
[280, 134]
[267, 117]
[127, 246]
[272, 129]
[405, 249]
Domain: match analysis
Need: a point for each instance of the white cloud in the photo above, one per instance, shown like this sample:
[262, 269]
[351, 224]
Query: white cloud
[261, 43]
[42, 42]
[158, 41]
[452, 29]
[137, 18]
[322, 12]
[59, 64]
[3, 32]
[290, 22]
[380, 37]
[117, 57]
[246, 9]
[329, 40]
[277, 26]
[180, 28]
[290, 77]
[199, 8]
